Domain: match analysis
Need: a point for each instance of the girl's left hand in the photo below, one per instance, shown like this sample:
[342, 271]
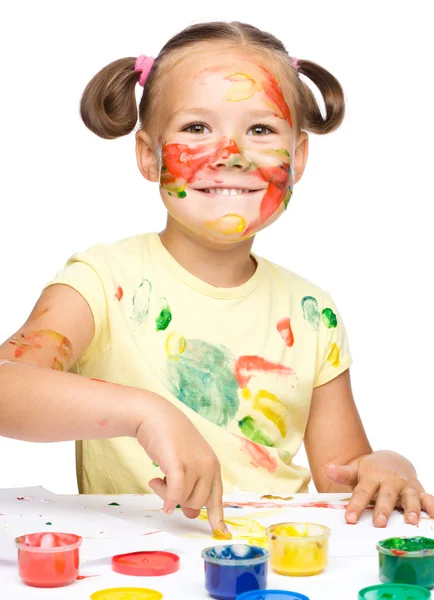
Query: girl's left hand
[389, 479]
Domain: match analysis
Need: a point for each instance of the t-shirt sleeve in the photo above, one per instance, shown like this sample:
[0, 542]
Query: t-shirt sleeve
[333, 352]
[81, 272]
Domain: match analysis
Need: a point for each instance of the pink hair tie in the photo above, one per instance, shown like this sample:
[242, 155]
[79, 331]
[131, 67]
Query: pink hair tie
[144, 65]
[294, 63]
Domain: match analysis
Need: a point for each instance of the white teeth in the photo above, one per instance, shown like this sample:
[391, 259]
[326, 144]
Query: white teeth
[226, 191]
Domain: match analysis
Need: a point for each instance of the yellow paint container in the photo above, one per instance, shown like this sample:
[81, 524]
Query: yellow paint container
[298, 549]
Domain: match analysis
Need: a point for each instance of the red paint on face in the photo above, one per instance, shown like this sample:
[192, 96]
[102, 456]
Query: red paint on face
[274, 93]
[183, 162]
[246, 366]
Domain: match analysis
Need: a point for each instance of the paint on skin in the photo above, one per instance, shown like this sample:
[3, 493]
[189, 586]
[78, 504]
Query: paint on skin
[243, 87]
[203, 379]
[260, 457]
[247, 366]
[181, 165]
[273, 409]
[227, 224]
[102, 423]
[329, 318]
[219, 534]
[141, 300]
[311, 313]
[242, 528]
[41, 340]
[333, 357]
[164, 318]
[119, 293]
[284, 328]
[251, 430]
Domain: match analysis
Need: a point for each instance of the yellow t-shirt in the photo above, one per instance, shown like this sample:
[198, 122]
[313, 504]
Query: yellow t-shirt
[240, 362]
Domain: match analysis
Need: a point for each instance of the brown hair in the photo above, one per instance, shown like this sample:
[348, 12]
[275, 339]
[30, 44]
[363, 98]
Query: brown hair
[108, 106]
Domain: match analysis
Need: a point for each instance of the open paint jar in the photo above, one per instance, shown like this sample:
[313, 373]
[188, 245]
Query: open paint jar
[407, 560]
[48, 559]
[394, 591]
[298, 549]
[234, 569]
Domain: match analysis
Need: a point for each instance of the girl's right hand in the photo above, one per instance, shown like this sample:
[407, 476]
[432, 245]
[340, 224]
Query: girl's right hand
[191, 468]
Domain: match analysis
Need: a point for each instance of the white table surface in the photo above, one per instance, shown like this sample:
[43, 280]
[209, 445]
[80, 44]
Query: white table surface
[353, 562]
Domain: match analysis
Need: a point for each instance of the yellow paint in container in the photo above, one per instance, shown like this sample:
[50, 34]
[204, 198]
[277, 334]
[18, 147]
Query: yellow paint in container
[298, 549]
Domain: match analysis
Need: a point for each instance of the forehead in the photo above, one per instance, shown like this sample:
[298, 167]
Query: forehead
[205, 76]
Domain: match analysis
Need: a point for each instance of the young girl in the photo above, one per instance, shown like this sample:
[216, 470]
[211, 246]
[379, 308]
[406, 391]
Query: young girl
[183, 362]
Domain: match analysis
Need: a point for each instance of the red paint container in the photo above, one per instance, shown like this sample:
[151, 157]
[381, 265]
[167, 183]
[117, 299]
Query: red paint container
[48, 559]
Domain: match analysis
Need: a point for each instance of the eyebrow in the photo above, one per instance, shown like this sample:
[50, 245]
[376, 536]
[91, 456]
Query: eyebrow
[206, 113]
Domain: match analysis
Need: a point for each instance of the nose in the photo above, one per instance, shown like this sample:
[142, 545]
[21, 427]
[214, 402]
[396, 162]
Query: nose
[229, 156]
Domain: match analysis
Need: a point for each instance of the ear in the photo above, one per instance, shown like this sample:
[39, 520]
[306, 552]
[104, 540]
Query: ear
[145, 157]
[300, 156]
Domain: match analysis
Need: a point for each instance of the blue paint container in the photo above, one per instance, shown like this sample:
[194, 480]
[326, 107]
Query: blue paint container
[272, 595]
[232, 570]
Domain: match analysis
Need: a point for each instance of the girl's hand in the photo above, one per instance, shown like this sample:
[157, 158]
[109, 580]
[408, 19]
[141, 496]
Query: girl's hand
[387, 478]
[192, 470]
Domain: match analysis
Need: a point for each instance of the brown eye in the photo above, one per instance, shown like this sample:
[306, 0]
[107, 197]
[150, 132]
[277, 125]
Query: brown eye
[196, 128]
[261, 129]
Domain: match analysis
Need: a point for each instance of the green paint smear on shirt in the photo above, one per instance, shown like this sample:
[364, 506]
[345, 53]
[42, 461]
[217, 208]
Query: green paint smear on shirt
[163, 319]
[414, 544]
[141, 301]
[329, 318]
[203, 378]
[250, 429]
[311, 313]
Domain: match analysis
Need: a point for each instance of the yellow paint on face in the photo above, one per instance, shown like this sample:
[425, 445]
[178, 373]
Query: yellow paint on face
[227, 224]
[242, 88]
[174, 345]
[275, 413]
[333, 357]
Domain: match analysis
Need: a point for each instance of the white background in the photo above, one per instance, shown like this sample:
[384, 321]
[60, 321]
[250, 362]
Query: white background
[359, 223]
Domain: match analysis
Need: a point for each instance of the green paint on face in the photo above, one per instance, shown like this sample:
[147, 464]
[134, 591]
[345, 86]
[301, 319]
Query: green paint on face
[170, 193]
[163, 319]
[141, 301]
[311, 313]
[287, 198]
[155, 464]
[329, 318]
[182, 194]
[203, 378]
[250, 429]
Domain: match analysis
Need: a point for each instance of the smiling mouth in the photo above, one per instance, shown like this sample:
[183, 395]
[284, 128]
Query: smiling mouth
[227, 191]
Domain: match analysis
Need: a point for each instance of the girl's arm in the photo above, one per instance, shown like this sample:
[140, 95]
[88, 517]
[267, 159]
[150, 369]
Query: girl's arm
[341, 459]
[40, 403]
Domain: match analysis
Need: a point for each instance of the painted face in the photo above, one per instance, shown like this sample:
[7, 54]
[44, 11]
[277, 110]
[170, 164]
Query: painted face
[226, 158]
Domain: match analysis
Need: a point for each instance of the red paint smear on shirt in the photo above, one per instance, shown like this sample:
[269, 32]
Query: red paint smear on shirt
[246, 366]
[119, 293]
[260, 457]
[284, 328]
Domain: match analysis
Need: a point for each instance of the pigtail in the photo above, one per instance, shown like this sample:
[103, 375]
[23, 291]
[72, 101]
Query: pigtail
[332, 93]
[108, 105]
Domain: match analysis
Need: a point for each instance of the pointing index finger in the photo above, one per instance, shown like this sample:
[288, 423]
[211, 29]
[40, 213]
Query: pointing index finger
[214, 507]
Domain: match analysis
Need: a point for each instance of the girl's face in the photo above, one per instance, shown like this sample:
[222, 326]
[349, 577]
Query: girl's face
[226, 146]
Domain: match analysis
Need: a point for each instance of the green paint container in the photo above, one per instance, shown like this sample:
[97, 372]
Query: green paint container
[394, 591]
[407, 560]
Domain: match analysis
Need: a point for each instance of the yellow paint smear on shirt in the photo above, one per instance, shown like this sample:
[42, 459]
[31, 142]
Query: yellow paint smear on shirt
[333, 357]
[174, 345]
[262, 402]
